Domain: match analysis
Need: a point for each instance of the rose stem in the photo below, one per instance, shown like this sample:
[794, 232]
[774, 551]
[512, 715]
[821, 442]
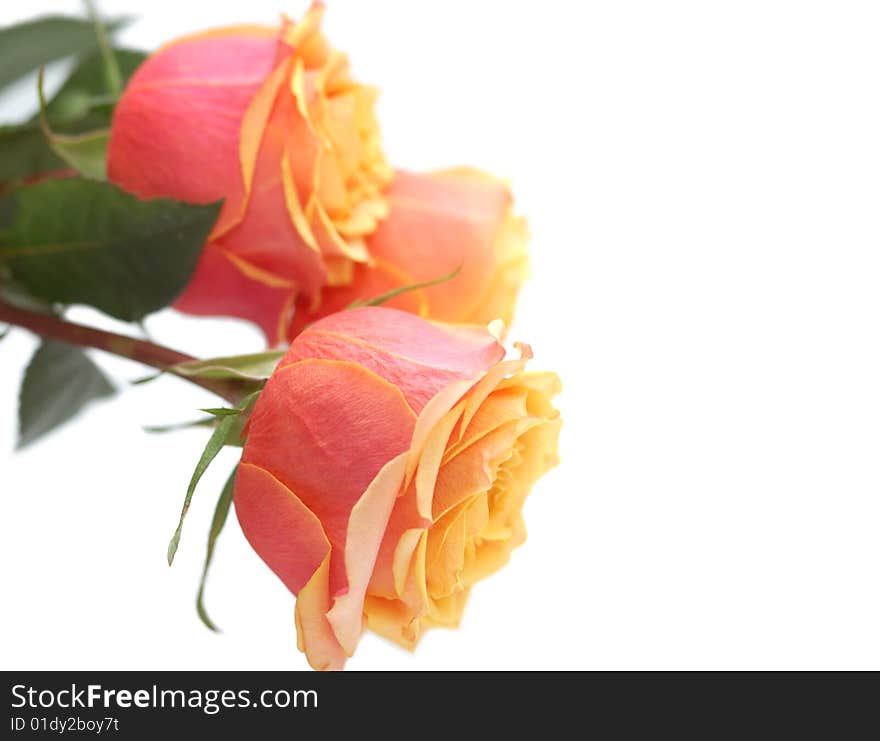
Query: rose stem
[156, 356]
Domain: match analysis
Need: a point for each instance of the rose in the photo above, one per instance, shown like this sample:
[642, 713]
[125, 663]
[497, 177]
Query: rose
[439, 222]
[386, 464]
[272, 122]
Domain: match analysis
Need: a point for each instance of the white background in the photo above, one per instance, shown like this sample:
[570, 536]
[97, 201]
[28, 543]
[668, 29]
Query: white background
[703, 185]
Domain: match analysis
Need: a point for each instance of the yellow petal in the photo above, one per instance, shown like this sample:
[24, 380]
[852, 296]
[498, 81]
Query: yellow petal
[432, 455]
[500, 407]
[403, 558]
[315, 637]
[446, 612]
[366, 528]
[253, 126]
[430, 415]
[294, 207]
[492, 378]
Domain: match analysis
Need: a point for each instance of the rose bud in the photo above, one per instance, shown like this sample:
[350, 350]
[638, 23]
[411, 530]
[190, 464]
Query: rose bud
[384, 472]
[439, 222]
[272, 122]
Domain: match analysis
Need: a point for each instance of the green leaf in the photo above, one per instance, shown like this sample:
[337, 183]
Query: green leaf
[388, 295]
[28, 46]
[75, 241]
[218, 439]
[8, 212]
[253, 367]
[14, 294]
[221, 511]
[24, 152]
[58, 382]
[86, 153]
[214, 445]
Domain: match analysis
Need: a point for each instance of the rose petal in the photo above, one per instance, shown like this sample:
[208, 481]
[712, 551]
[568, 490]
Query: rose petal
[473, 469]
[395, 552]
[315, 636]
[366, 529]
[282, 530]
[430, 416]
[366, 282]
[446, 612]
[398, 620]
[205, 82]
[253, 127]
[403, 558]
[267, 235]
[389, 618]
[438, 222]
[445, 553]
[325, 429]
[224, 289]
[501, 406]
[490, 557]
[490, 381]
[512, 267]
[421, 359]
[544, 382]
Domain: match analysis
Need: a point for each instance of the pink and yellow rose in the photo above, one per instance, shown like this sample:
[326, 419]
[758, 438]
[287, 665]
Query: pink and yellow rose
[272, 122]
[385, 469]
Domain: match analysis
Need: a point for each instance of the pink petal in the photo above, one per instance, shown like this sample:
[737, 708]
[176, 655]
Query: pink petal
[325, 429]
[419, 357]
[279, 527]
[176, 128]
[222, 289]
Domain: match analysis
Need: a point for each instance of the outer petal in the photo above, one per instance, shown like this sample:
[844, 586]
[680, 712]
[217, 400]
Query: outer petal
[267, 236]
[402, 534]
[314, 634]
[511, 271]
[366, 530]
[204, 84]
[290, 539]
[282, 530]
[437, 223]
[366, 282]
[325, 429]
[435, 444]
[473, 391]
[224, 289]
[398, 619]
[418, 357]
